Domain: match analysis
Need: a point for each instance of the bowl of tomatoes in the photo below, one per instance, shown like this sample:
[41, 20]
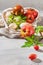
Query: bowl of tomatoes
[18, 15]
[18, 18]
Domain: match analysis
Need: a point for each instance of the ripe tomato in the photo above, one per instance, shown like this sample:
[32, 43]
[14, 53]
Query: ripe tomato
[24, 28]
[26, 14]
[32, 56]
[32, 31]
[32, 12]
[30, 18]
[29, 11]
[28, 30]
[36, 47]
[18, 9]
[35, 13]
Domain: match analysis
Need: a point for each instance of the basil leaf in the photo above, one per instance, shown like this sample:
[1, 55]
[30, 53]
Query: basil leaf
[27, 44]
[40, 44]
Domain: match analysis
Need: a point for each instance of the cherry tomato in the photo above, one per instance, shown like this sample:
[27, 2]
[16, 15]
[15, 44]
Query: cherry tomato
[29, 11]
[32, 56]
[32, 12]
[18, 9]
[35, 13]
[32, 31]
[36, 47]
[30, 18]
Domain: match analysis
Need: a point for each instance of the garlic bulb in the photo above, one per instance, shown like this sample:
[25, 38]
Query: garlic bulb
[13, 26]
[23, 24]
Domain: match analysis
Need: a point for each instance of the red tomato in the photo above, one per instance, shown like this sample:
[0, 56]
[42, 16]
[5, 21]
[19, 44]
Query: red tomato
[24, 28]
[36, 47]
[32, 56]
[35, 13]
[26, 14]
[28, 30]
[32, 12]
[30, 18]
[29, 11]
[18, 9]
[32, 31]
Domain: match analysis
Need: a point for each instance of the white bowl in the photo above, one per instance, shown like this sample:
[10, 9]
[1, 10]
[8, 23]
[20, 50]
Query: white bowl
[9, 9]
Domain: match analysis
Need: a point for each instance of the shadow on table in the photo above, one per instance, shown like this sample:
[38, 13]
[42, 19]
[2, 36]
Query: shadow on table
[40, 50]
[37, 61]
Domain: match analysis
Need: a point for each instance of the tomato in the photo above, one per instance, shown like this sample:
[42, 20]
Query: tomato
[27, 30]
[35, 13]
[30, 18]
[32, 12]
[30, 30]
[24, 28]
[36, 47]
[18, 9]
[29, 11]
[26, 14]
[32, 56]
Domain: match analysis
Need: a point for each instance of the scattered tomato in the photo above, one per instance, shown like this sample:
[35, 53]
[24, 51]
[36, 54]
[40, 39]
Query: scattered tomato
[32, 56]
[36, 47]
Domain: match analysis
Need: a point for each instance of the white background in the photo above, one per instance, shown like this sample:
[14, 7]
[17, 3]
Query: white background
[31, 3]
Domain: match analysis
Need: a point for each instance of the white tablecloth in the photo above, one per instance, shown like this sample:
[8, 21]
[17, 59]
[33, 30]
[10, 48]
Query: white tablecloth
[11, 52]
